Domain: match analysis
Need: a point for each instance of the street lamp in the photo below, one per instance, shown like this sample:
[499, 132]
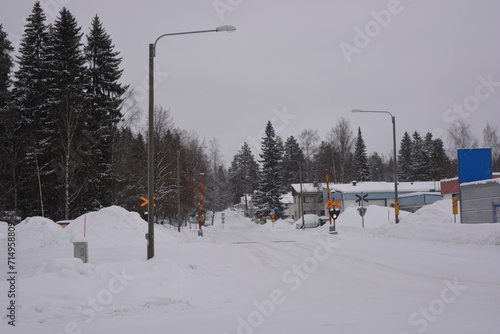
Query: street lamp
[396, 202]
[151, 147]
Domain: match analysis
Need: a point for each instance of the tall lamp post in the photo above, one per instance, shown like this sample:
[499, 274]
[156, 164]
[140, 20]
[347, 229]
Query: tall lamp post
[151, 145]
[396, 202]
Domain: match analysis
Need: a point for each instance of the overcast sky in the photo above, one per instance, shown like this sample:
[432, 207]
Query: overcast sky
[303, 64]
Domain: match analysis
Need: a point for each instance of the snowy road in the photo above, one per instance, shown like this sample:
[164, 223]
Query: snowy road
[246, 278]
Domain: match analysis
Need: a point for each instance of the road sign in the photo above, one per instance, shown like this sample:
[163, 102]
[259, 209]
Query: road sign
[146, 201]
[455, 205]
[361, 198]
[362, 211]
[334, 204]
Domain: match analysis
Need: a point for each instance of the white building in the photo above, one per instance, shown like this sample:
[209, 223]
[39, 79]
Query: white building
[313, 195]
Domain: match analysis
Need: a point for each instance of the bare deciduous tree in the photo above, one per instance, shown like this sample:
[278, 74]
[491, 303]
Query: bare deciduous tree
[460, 136]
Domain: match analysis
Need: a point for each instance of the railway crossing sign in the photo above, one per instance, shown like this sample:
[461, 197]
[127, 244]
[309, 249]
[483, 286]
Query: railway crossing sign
[332, 204]
[362, 210]
[146, 201]
[361, 198]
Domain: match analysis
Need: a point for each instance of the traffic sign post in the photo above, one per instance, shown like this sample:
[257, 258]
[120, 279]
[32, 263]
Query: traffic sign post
[362, 210]
[454, 201]
[334, 213]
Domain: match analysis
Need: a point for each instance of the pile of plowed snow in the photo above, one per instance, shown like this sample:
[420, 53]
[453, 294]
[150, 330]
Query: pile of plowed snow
[435, 222]
[38, 232]
[113, 227]
[375, 216]
[109, 227]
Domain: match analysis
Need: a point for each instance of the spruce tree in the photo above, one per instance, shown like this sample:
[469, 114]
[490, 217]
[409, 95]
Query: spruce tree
[9, 149]
[361, 158]
[419, 156]
[243, 174]
[268, 196]
[293, 162]
[30, 93]
[104, 97]
[440, 164]
[405, 159]
[67, 79]
[377, 167]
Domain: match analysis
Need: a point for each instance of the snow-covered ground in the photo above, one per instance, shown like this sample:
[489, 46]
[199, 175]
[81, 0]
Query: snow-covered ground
[424, 275]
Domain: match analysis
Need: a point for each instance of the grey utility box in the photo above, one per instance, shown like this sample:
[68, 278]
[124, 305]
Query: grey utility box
[81, 251]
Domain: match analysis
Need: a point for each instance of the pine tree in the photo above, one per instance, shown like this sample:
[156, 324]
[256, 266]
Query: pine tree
[268, 196]
[405, 159]
[30, 93]
[9, 149]
[293, 162]
[420, 161]
[361, 158]
[439, 163]
[67, 79]
[243, 174]
[377, 167]
[104, 99]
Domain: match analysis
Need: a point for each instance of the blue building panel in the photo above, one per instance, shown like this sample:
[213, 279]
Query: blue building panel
[474, 164]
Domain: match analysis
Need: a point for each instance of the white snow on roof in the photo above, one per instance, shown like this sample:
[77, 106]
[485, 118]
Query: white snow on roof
[497, 180]
[372, 187]
[420, 193]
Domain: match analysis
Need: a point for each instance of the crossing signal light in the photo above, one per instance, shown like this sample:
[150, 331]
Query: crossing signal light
[334, 214]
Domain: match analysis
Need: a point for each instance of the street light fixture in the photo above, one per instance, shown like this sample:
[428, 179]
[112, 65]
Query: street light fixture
[151, 149]
[396, 202]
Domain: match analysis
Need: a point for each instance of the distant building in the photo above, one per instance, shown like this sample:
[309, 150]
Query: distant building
[382, 193]
[412, 195]
[311, 197]
[449, 187]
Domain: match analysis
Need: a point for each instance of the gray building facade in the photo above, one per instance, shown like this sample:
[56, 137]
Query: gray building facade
[480, 202]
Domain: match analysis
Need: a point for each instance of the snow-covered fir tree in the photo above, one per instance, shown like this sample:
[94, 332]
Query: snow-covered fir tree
[268, 195]
[243, 174]
[31, 95]
[377, 167]
[293, 162]
[104, 96]
[8, 124]
[361, 158]
[67, 79]
[420, 170]
[405, 159]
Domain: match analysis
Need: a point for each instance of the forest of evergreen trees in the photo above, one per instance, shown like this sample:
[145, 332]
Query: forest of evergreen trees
[68, 148]
[345, 156]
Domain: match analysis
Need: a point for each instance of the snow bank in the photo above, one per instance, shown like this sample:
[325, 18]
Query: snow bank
[279, 224]
[435, 223]
[113, 227]
[38, 232]
[375, 216]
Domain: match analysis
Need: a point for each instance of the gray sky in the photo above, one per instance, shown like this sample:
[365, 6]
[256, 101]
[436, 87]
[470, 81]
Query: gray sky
[303, 64]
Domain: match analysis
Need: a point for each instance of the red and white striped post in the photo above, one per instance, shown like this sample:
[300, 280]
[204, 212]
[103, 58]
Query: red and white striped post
[202, 195]
[327, 179]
